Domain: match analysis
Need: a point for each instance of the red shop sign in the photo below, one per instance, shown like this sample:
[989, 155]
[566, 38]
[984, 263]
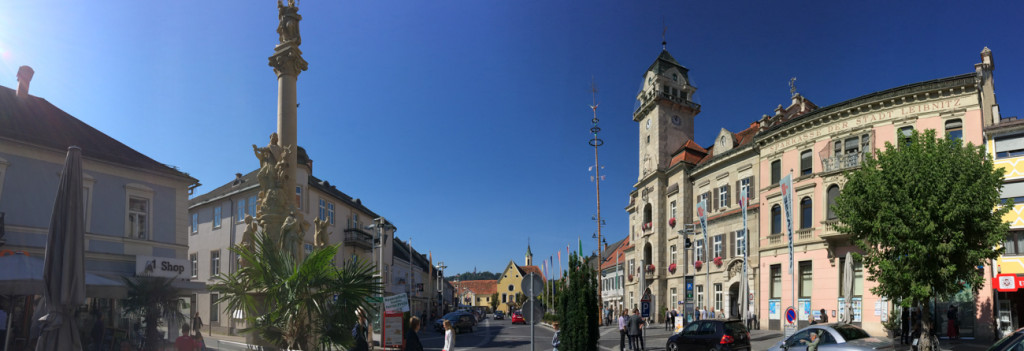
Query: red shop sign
[1008, 282]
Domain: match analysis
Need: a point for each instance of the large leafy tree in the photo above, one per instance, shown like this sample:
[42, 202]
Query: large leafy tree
[155, 301]
[577, 308]
[494, 302]
[926, 213]
[299, 305]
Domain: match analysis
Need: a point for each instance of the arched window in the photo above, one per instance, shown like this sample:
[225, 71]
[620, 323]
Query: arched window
[647, 213]
[955, 129]
[806, 214]
[833, 194]
[776, 219]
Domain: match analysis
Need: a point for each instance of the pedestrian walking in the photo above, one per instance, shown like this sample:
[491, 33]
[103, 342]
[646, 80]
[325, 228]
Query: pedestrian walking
[185, 342]
[636, 325]
[555, 342]
[905, 325]
[668, 318]
[622, 331]
[449, 336]
[696, 314]
[952, 323]
[824, 316]
[412, 339]
[197, 323]
[359, 332]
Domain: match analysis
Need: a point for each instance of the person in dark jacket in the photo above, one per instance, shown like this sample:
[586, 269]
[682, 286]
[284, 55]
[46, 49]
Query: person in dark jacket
[412, 339]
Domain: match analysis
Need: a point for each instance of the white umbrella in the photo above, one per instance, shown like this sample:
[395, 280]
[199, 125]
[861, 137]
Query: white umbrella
[848, 288]
[64, 262]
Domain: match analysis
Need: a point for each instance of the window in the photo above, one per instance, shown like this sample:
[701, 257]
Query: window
[805, 279]
[700, 295]
[806, 214]
[323, 210]
[852, 145]
[865, 144]
[672, 209]
[776, 219]
[672, 296]
[776, 275]
[718, 246]
[955, 129]
[805, 162]
[1010, 146]
[905, 134]
[675, 77]
[298, 196]
[723, 196]
[672, 254]
[776, 171]
[195, 223]
[214, 310]
[253, 205]
[833, 194]
[330, 212]
[194, 257]
[511, 287]
[216, 217]
[1014, 244]
[741, 243]
[355, 220]
[241, 210]
[744, 187]
[138, 217]
[214, 263]
[699, 251]
[718, 296]
[838, 149]
[504, 297]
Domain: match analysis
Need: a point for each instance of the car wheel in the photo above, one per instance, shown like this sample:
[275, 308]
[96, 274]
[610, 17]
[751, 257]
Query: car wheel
[672, 346]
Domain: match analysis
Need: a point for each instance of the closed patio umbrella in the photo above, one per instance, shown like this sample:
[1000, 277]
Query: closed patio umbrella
[848, 288]
[64, 261]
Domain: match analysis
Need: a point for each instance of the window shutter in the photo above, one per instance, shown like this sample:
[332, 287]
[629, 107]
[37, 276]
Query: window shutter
[715, 200]
[728, 197]
[725, 246]
[753, 189]
[732, 243]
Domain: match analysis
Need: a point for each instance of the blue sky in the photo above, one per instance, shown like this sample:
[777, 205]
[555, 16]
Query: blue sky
[466, 122]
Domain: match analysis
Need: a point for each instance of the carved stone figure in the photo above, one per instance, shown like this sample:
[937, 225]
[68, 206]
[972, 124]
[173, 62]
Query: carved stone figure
[292, 233]
[320, 234]
[248, 236]
[288, 29]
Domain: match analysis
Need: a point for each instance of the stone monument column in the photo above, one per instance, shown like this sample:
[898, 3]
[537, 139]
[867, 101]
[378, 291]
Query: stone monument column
[287, 62]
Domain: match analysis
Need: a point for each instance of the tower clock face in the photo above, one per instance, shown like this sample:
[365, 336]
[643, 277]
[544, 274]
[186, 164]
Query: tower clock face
[648, 124]
[676, 120]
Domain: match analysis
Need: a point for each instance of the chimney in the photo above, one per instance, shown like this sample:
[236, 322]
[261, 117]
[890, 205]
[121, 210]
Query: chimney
[25, 74]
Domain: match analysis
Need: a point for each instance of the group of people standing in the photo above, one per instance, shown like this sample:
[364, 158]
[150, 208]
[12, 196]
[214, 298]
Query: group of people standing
[631, 327]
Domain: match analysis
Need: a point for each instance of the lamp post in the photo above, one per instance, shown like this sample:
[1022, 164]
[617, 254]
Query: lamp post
[381, 225]
[440, 285]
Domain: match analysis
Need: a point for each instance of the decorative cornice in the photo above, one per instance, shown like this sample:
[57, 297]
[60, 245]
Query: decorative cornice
[287, 60]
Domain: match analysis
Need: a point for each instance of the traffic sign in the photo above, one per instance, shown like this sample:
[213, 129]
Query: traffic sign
[533, 311]
[533, 285]
[645, 308]
[790, 315]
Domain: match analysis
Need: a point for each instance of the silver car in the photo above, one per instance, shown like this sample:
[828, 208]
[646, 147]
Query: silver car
[835, 337]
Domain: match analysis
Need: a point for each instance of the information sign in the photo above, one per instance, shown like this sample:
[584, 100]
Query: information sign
[396, 303]
[392, 330]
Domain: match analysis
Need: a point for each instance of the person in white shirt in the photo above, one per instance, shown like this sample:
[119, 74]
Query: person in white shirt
[449, 336]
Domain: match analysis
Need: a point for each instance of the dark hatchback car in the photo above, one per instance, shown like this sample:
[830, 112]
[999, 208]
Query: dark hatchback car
[499, 315]
[461, 322]
[711, 335]
[1012, 342]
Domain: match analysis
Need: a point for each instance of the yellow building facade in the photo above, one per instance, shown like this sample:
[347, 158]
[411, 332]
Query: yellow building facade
[1005, 144]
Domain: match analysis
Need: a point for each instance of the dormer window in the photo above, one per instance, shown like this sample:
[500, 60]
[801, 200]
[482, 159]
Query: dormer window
[675, 77]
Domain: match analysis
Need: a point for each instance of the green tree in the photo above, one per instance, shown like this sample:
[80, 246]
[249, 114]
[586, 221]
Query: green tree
[925, 214]
[577, 308]
[494, 302]
[155, 301]
[299, 305]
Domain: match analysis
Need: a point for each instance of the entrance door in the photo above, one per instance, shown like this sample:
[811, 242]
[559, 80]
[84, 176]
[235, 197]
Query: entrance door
[735, 310]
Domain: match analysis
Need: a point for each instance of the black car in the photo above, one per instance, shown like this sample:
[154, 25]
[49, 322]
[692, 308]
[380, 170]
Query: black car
[1012, 342]
[711, 335]
[499, 315]
[461, 322]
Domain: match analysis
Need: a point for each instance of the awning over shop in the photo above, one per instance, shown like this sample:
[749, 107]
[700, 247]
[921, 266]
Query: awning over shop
[23, 275]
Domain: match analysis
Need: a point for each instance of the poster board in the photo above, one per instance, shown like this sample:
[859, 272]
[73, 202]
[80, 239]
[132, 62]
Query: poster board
[392, 330]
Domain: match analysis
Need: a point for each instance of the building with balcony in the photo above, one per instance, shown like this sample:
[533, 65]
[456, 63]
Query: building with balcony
[729, 168]
[1005, 144]
[816, 146]
[135, 208]
[217, 221]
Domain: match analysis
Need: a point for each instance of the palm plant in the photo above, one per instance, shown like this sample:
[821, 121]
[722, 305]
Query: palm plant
[298, 305]
[154, 300]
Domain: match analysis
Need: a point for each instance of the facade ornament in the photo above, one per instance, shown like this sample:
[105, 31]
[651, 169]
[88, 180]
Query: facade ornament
[320, 233]
[288, 29]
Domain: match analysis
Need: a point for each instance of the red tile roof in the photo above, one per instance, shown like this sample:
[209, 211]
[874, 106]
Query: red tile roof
[478, 287]
[527, 269]
[690, 153]
[619, 252]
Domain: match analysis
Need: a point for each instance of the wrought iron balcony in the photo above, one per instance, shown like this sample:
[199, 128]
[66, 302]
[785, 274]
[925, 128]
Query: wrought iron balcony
[842, 162]
[358, 237]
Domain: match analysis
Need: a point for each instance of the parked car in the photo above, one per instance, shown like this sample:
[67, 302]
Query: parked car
[711, 335]
[837, 336]
[1012, 342]
[499, 315]
[517, 317]
[461, 322]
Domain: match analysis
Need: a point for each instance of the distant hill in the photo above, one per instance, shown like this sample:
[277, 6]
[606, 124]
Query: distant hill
[475, 276]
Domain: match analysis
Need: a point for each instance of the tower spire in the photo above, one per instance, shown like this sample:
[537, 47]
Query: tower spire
[664, 30]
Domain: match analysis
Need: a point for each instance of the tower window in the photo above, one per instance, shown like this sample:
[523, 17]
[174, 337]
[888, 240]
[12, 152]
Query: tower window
[648, 139]
[675, 77]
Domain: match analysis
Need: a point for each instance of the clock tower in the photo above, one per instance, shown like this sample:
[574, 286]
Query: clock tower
[665, 112]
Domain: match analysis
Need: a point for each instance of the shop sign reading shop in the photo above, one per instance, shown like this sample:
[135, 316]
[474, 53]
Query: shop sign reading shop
[162, 267]
[867, 119]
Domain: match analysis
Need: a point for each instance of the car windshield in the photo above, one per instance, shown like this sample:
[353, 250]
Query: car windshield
[735, 328]
[850, 333]
[1008, 342]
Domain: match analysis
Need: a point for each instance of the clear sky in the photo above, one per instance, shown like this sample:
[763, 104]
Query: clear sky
[466, 122]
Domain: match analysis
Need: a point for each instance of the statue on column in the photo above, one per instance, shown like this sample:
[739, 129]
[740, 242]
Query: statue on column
[320, 234]
[288, 29]
[272, 175]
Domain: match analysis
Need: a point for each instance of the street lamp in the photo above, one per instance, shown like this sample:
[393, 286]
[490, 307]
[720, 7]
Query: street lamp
[440, 285]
